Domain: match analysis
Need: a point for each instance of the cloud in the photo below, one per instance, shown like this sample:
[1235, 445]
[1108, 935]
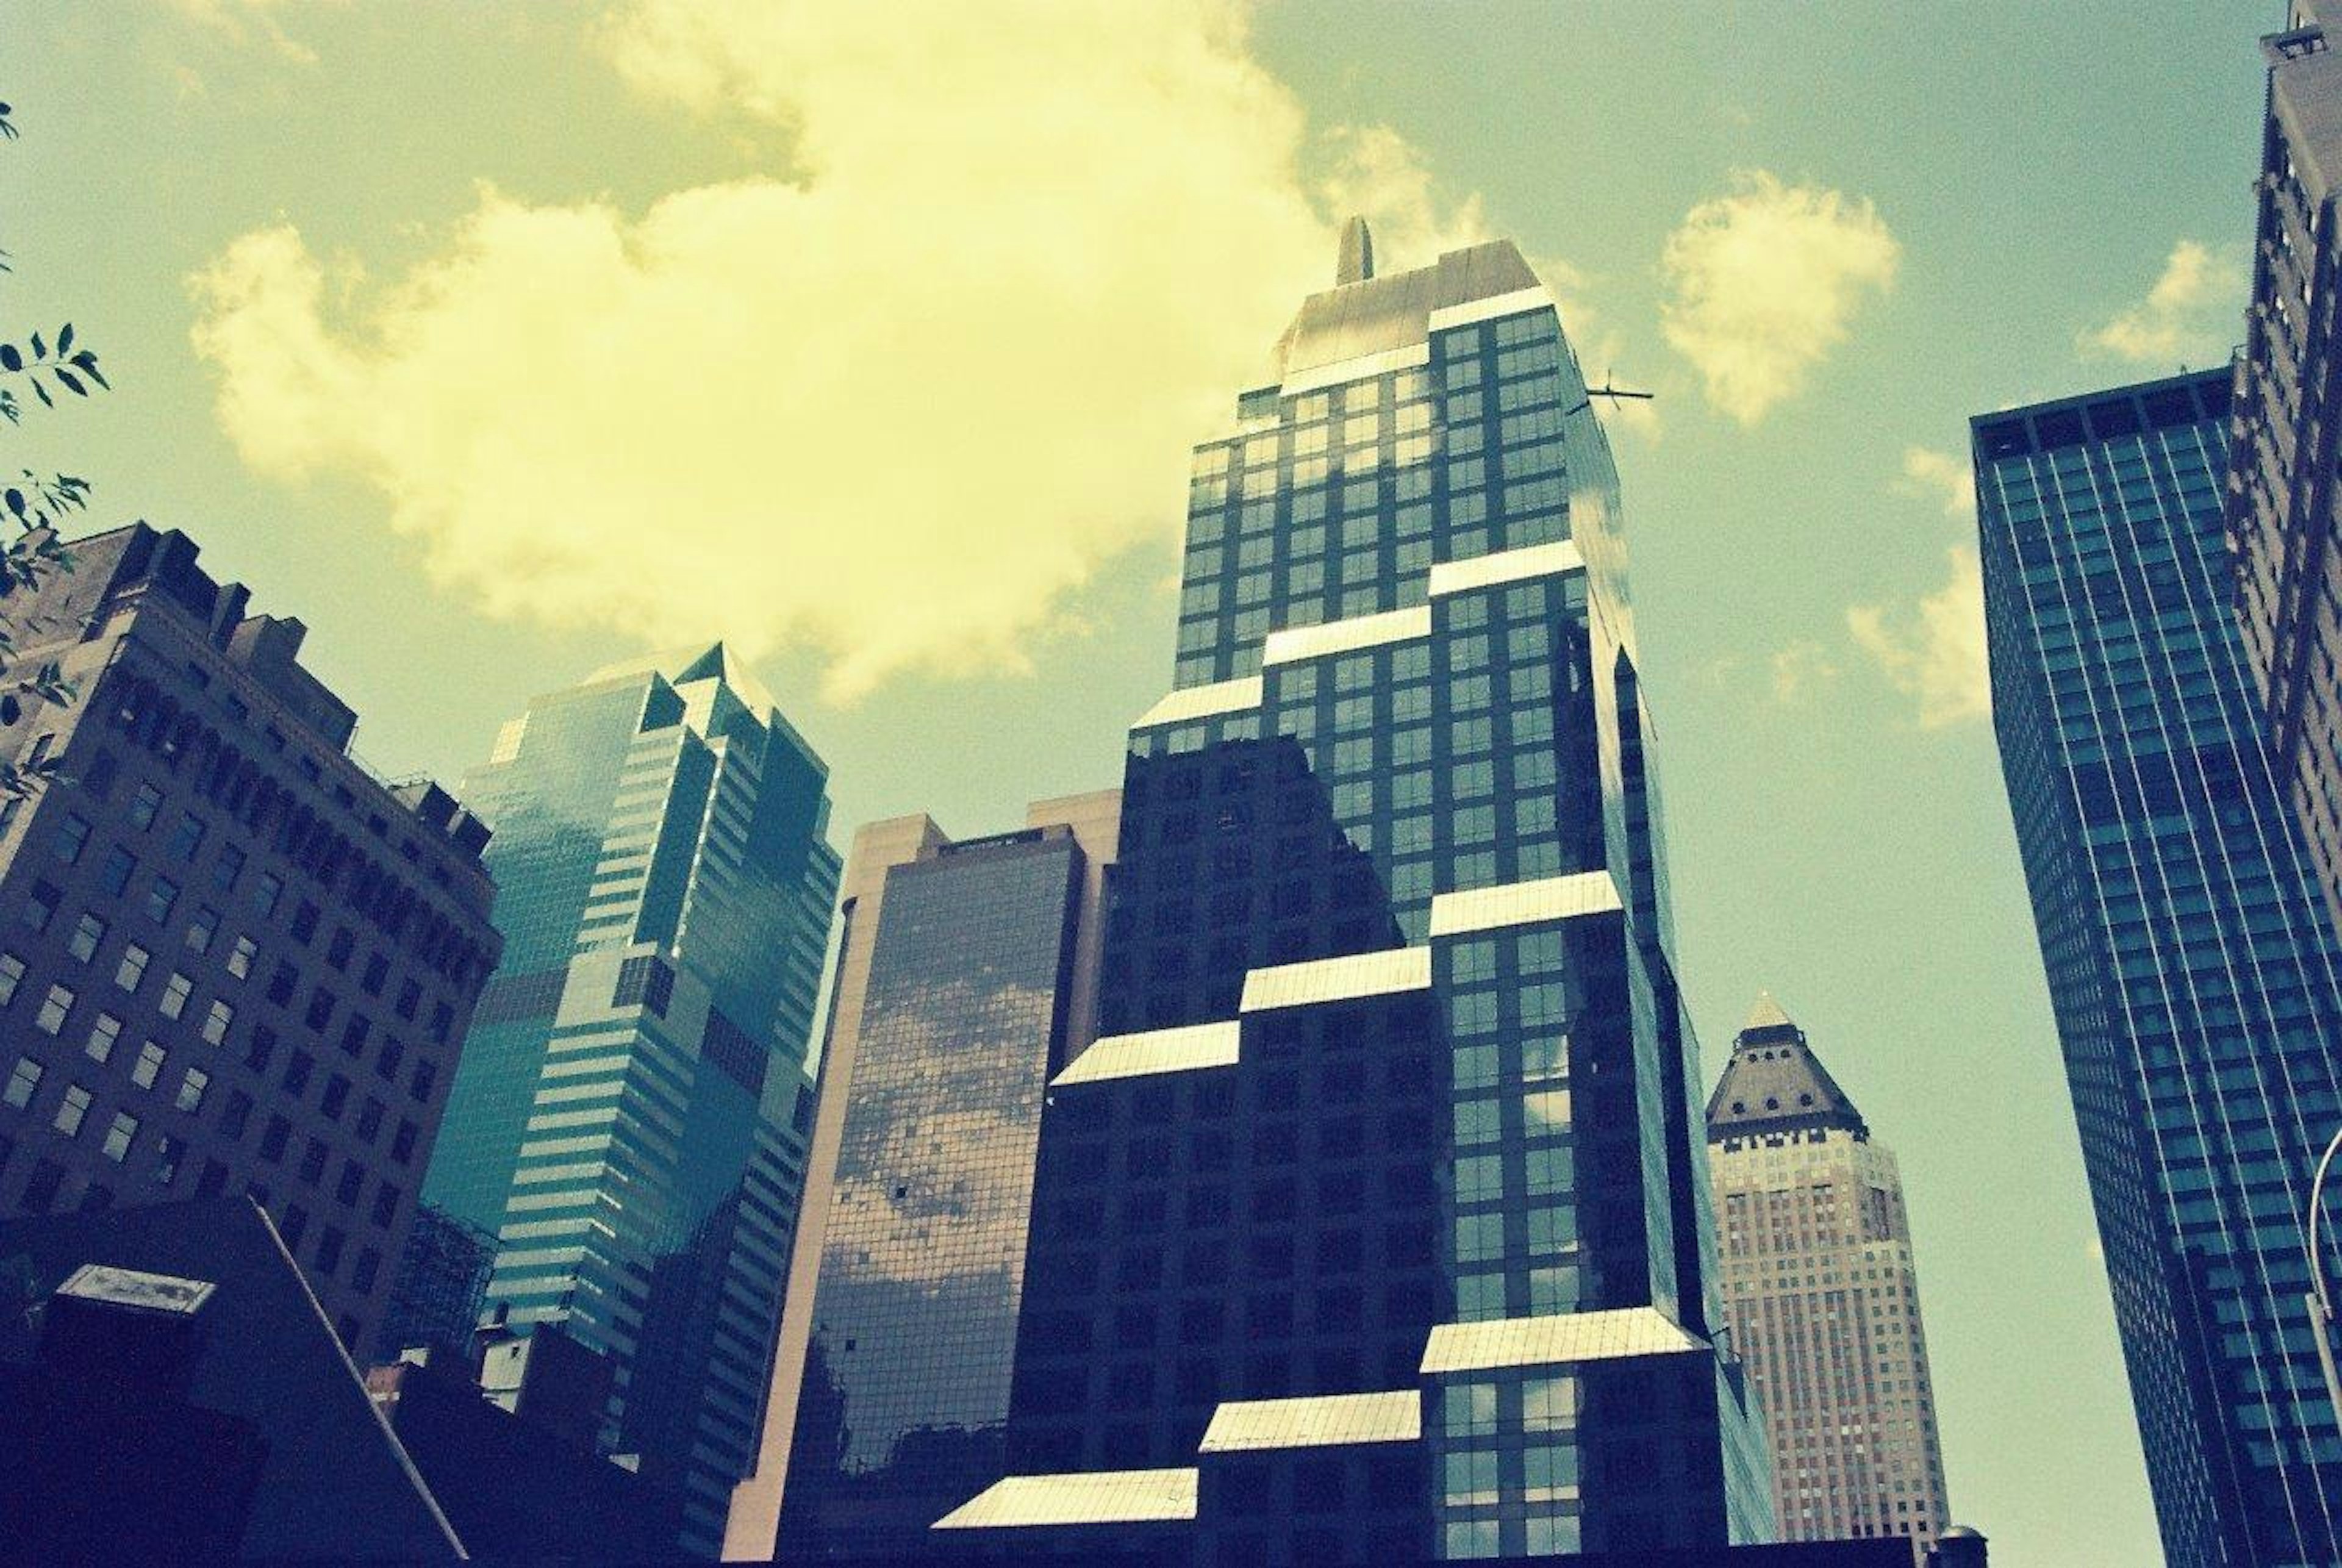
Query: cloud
[2187, 313]
[894, 402]
[1801, 670]
[1935, 654]
[1763, 283]
[243, 22]
[1938, 476]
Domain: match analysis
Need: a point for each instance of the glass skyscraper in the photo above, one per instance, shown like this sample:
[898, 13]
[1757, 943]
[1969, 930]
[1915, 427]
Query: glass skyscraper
[964, 984]
[630, 1115]
[2190, 964]
[1375, 1222]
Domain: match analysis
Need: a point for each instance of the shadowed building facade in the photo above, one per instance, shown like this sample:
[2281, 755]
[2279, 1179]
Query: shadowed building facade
[232, 960]
[1822, 1293]
[1374, 1224]
[629, 1122]
[2284, 502]
[966, 979]
[2191, 966]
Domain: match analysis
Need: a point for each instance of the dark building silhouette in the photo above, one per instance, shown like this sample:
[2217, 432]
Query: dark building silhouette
[442, 1285]
[2191, 966]
[231, 959]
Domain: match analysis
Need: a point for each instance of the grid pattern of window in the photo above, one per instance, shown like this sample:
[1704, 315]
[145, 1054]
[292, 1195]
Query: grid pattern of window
[906, 1388]
[2190, 963]
[629, 1117]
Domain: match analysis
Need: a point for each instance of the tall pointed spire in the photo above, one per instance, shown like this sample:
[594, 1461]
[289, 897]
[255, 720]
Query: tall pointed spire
[1356, 263]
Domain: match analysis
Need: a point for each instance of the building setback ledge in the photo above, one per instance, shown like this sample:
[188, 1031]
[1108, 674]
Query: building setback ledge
[1182, 1050]
[1203, 701]
[1097, 1497]
[1347, 636]
[1337, 979]
[1327, 1421]
[1559, 1340]
[1525, 903]
[1554, 559]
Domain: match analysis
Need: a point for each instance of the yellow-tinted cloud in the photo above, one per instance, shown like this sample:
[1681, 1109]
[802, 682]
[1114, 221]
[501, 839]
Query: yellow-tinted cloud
[1801, 670]
[2187, 311]
[894, 403]
[1938, 476]
[243, 22]
[1763, 283]
[1936, 653]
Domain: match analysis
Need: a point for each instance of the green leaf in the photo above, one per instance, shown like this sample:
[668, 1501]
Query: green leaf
[65, 340]
[73, 383]
[11, 358]
[15, 499]
[43, 394]
[40, 349]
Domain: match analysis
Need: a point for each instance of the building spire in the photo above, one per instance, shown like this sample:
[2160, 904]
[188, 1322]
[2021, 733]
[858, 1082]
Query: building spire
[1356, 263]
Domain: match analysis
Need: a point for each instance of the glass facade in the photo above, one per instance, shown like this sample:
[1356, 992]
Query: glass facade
[1392, 1096]
[629, 1117]
[2190, 964]
[904, 1397]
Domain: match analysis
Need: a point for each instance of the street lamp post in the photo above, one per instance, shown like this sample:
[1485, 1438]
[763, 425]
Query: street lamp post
[2321, 1300]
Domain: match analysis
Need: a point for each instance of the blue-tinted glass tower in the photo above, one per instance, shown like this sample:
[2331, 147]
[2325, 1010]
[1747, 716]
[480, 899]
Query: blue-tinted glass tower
[1375, 1222]
[629, 1118]
[2190, 966]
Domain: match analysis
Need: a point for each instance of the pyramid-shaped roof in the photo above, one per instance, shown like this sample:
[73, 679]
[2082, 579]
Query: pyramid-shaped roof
[1774, 1082]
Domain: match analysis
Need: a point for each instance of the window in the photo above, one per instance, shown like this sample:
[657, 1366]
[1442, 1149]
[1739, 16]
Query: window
[216, 1018]
[168, 1153]
[354, 1034]
[419, 1087]
[385, 1205]
[329, 1250]
[352, 1181]
[118, 1136]
[176, 991]
[266, 889]
[144, 805]
[41, 905]
[53, 1008]
[240, 957]
[336, 1097]
[402, 1142]
[259, 1047]
[297, 1071]
[113, 877]
[160, 898]
[370, 1116]
[187, 836]
[11, 974]
[312, 1161]
[73, 837]
[103, 1036]
[133, 967]
[304, 922]
[191, 1089]
[203, 928]
[71, 1109]
[87, 933]
[377, 971]
[25, 1078]
[339, 950]
[273, 1138]
[227, 868]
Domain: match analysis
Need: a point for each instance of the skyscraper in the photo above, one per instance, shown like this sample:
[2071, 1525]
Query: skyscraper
[232, 960]
[2284, 506]
[630, 1117]
[1822, 1294]
[1374, 1222]
[2190, 963]
[966, 979]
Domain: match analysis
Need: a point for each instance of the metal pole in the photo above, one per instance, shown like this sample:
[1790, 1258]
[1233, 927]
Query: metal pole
[2320, 1300]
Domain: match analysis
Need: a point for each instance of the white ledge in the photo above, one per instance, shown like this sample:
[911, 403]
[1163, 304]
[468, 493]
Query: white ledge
[1203, 701]
[1095, 1497]
[1488, 309]
[1525, 902]
[1337, 979]
[1182, 1050]
[1327, 1421]
[1557, 1339]
[1556, 558]
[1345, 636]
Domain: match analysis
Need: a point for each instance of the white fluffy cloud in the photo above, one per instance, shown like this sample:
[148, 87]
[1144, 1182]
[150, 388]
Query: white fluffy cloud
[893, 403]
[1938, 476]
[1937, 652]
[1801, 670]
[2190, 311]
[1763, 283]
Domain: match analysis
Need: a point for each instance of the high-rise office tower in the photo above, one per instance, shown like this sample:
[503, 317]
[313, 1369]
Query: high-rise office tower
[2190, 963]
[967, 978]
[2284, 504]
[1822, 1294]
[1376, 1221]
[231, 959]
[630, 1117]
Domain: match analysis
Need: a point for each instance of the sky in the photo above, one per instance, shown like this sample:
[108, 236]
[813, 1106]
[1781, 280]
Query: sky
[498, 342]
